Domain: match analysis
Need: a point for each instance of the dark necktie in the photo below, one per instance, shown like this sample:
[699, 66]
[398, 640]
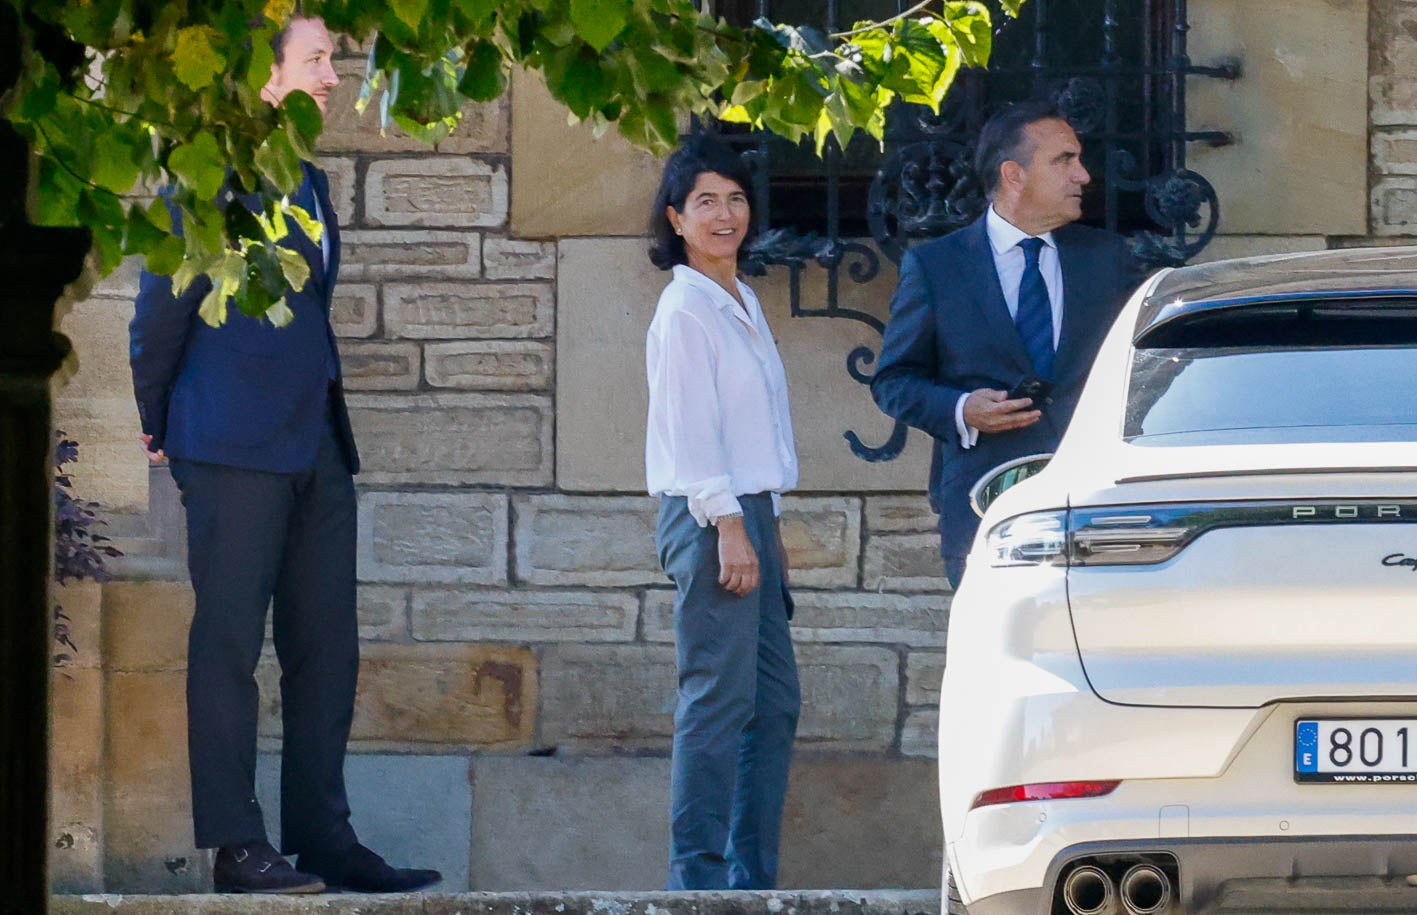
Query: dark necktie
[1034, 318]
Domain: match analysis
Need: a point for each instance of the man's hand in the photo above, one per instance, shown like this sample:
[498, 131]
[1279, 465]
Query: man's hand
[737, 562]
[990, 411]
[155, 457]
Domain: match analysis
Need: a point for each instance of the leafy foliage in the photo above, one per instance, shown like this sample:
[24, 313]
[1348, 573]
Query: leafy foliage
[79, 550]
[115, 93]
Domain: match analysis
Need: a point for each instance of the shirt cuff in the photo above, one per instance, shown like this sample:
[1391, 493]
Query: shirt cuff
[968, 435]
[713, 498]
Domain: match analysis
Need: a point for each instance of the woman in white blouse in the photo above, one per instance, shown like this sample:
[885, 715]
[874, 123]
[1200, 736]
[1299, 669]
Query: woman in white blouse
[719, 452]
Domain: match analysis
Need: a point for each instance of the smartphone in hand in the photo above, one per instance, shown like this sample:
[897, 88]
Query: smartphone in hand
[1035, 389]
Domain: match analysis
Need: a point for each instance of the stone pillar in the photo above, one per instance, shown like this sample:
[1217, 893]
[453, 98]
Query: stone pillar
[36, 265]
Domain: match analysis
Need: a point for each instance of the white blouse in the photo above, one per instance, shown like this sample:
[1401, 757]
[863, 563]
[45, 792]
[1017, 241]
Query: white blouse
[719, 425]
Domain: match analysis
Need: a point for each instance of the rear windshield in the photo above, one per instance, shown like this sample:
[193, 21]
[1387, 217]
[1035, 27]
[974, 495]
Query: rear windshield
[1239, 395]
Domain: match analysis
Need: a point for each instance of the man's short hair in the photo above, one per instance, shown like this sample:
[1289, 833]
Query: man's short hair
[278, 39]
[1003, 139]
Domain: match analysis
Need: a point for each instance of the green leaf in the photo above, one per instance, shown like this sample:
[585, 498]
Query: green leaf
[258, 71]
[279, 163]
[599, 21]
[194, 60]
[410, 12]
[200, 165]
[294, 267]
[485, 76]
[308, 224]
[227, 279]
[279, 313]
[114, 166]
[303, 122]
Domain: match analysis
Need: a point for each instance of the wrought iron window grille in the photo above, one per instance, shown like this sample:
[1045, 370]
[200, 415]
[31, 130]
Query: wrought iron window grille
[1127, 104]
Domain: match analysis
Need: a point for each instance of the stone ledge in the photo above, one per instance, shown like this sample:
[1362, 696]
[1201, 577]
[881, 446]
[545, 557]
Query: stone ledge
[825, 902]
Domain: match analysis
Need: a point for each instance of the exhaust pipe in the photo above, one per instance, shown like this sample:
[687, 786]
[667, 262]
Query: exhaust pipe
[1088, 891]
[1145, 890]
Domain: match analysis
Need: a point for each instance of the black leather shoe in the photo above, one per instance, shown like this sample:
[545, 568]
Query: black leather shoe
[360, 870]
[259, 868]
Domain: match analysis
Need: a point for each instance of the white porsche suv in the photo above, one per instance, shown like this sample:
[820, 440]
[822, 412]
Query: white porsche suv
[1182, 663]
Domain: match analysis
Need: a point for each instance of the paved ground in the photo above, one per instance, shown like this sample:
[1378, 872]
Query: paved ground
[830, 902]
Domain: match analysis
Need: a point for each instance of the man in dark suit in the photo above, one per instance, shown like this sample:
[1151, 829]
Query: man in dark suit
[1022, 293]
[253, 421]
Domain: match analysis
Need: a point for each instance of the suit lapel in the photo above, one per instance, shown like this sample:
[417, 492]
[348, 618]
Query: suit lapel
[988, 293]
[329, 272]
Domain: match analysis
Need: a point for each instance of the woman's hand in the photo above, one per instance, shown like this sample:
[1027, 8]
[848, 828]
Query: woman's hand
[737, 561]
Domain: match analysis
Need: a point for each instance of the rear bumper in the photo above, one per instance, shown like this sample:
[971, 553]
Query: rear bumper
[1251, 875]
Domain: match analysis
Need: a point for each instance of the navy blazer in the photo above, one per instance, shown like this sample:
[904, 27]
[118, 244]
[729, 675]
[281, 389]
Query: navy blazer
[950, 332]
[245, 394]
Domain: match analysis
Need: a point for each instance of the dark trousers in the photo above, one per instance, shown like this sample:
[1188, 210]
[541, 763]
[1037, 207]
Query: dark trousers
[737, 710]
[257, 540]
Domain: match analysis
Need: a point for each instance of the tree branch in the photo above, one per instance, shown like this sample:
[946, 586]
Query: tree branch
[917, 8]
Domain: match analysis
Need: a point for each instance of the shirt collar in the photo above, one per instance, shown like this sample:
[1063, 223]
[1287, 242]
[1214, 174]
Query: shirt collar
[719, 295]
[1004, 235]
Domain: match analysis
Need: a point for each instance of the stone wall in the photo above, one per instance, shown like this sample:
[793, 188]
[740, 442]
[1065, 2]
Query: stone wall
[516, 696]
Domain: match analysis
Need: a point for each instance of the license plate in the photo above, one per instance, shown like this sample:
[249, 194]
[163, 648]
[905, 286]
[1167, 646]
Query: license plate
[1356, 750]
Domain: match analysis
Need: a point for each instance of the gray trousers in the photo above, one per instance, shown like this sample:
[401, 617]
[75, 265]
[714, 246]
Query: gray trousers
[738, 705]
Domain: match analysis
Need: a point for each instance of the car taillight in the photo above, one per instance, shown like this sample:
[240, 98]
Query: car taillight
[1127, 537]
[1044, 791]
[1029, 540]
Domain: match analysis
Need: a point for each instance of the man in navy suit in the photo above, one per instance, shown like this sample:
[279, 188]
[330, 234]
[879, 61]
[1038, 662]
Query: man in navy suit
[1022, 293]
[252, 419]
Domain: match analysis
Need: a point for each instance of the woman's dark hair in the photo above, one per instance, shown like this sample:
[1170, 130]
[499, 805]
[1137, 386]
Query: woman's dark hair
[698, 154]
[1003, 139]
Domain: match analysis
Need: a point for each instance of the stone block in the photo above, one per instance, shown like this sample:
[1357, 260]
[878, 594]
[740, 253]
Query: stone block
[435, 191]
[381, 366]
[491, 365]
[419, 537]
[515, 259]
[606, 293]
[397, 254]
[605, 542]
[1394, 204]
[82, 603]
[539, 823]
[454, 439]
[1299, 114]
[904, 562]
[94, 406]
[145, 625]
[354, 311]
[836, 617]
[148, 844]
[76, 775]
[850, 695]
[900, 514]
[415, 810]
[567, 181]
[607, 695]
[466, 615]
[424, 311]
[483, 127]
[923, 672]
[920, 734]
[1394, 54]
[864, 822]
[430, 697]
[341, 175]
[383, 613]
[1395, 152]
[1223, 247]
[823, 540]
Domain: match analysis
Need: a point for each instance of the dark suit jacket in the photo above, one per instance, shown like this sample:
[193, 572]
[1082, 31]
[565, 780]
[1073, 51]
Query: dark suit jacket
[246, 394]
[950, 332]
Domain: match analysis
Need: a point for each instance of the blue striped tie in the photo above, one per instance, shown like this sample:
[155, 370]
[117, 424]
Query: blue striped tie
[1034, 318]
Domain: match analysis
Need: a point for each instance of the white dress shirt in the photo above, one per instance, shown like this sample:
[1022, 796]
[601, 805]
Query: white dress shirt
[719, 425]
[1009, 261]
